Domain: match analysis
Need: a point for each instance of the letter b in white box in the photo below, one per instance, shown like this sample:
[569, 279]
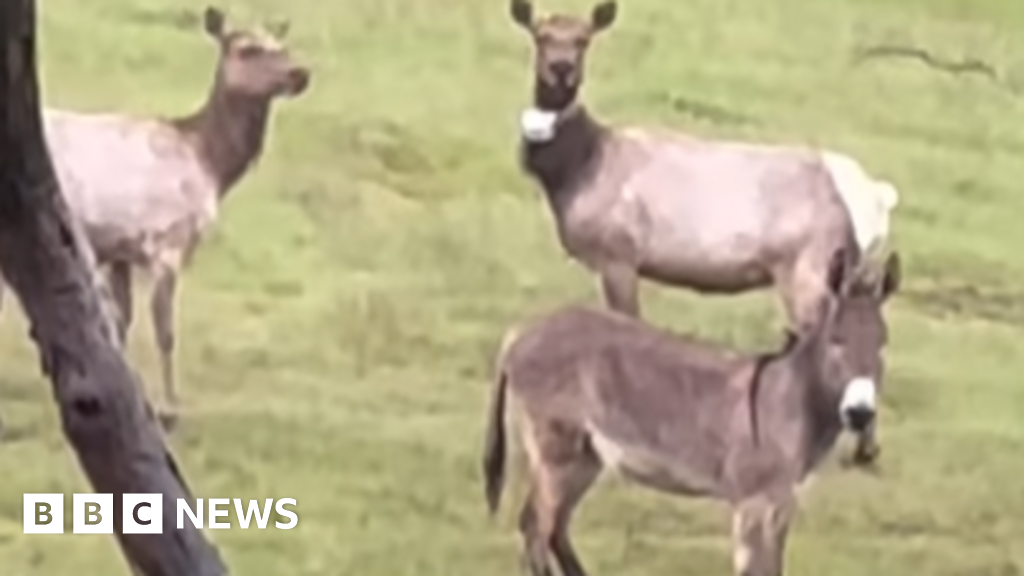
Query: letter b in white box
[92, 514]
[43, 513]
[142, 513]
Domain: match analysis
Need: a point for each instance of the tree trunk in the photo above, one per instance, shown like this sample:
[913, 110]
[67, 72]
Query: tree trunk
[47, 264]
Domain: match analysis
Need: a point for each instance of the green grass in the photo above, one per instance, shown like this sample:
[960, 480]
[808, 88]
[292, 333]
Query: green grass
[336, 329]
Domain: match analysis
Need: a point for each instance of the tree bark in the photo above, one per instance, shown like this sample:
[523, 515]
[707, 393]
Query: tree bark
[48, 265]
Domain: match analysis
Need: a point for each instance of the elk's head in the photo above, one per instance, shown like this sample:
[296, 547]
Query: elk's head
[560, 47]
[255, 62]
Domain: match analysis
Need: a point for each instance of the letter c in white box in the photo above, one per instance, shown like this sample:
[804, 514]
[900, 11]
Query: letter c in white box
[142, 513]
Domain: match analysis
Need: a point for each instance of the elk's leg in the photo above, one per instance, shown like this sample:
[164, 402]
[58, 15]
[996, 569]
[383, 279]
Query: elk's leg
[760, 529]
[563, 467]
[121, 290]
[165, 280]
[620, 284]
[802, 287]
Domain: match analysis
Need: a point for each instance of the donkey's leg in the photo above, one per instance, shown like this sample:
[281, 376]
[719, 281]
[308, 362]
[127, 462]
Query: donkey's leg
[620, 284]
[570, 483]
[165, 280]
[533, 519]
[563, 467]
[760, 529]
[121, 290]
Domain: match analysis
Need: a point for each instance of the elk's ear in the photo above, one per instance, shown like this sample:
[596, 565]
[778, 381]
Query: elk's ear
[837, 273]
[279, 28]
[522, 12]
[213, 21]
[893, 275]
[603, 15]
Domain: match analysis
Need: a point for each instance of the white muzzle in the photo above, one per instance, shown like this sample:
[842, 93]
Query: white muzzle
[859, 403]
[538, 125]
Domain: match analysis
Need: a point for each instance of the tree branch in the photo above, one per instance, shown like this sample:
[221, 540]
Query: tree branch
[48, 264]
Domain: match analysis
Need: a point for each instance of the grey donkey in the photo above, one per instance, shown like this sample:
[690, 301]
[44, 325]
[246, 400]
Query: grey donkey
[146, 190]
[712, 216]
[594, 389]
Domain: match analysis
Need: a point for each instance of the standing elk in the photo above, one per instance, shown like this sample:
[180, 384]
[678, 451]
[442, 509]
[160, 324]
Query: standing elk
[597, 390]
[146, 190]
[712, 216]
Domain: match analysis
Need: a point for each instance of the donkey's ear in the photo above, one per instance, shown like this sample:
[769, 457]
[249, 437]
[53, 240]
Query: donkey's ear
[893, 275]
[603, 15]
[213, 21]
[837, 273]
[522, 12]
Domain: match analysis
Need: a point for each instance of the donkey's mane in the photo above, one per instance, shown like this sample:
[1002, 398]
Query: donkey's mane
[761, 362]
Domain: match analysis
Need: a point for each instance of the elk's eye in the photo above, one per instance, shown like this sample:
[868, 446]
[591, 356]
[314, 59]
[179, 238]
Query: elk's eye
[250, 51]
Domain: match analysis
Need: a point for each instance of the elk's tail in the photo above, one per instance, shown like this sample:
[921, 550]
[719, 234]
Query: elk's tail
[495, 440]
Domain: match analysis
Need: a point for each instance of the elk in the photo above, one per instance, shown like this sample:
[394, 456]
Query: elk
[598, 390]
[716, 217]
[147, 190]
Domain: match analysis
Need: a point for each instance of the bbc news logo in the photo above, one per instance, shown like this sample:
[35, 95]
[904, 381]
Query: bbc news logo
[144, 513]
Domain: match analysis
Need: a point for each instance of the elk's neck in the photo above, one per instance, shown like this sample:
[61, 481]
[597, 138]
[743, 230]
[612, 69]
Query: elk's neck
[572, 155]
[229, 132]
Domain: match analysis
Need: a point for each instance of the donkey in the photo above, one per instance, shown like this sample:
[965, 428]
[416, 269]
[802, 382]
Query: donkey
[596, 390]
[147, 190]
[715, 217]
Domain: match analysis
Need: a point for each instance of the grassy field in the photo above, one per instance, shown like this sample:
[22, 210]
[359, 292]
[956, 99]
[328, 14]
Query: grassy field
[335, 332]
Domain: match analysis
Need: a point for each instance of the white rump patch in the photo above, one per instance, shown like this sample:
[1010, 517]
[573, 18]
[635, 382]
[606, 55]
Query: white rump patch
[859, 394]
[869, 201]
[538, 125]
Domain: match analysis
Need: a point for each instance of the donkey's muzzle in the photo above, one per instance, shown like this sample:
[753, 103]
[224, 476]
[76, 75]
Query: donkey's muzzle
[857, 407]
[859, 418]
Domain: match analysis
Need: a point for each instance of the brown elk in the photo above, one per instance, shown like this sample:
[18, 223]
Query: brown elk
[146, 190]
